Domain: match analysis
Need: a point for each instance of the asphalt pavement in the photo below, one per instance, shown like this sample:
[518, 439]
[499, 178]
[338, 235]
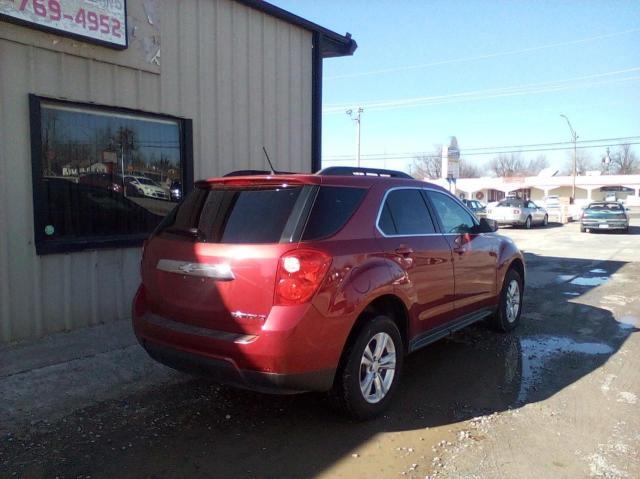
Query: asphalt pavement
[556, 398]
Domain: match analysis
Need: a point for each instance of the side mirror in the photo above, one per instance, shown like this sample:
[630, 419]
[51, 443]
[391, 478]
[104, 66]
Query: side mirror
[487, 226]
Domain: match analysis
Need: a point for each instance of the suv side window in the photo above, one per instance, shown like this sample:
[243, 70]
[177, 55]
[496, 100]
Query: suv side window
[453, 217]
[405, 213]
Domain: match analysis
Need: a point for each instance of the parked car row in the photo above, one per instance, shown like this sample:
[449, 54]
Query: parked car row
[133, 186]
[609, 214]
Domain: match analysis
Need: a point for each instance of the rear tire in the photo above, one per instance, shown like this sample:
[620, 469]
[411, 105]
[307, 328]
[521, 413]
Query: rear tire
[583, 229]
[545, 221]
[370, 369]
[527, 223]
[509, 311]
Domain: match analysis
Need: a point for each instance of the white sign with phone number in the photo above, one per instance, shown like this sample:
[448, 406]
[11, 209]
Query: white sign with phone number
[98, 20]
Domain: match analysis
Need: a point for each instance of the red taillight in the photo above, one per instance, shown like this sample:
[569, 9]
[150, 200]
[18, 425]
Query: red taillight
[300, 273]
[516, 212]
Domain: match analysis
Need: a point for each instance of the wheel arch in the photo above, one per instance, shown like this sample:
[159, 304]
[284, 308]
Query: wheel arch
[387, 304]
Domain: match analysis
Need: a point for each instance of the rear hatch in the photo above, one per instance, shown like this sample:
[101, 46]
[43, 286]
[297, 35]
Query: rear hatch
[508, 209]
[605, 213]
[213, 260]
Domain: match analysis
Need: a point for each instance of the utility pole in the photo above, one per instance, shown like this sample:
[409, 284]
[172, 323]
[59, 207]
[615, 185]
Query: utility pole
[356, 118]
[574, 135]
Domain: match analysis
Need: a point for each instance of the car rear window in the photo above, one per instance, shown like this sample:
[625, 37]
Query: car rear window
[333, 207]
[512, 203]
[605, 207]
[233, 215]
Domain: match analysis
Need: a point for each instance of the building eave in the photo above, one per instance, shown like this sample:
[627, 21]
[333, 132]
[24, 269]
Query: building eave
[332, 45]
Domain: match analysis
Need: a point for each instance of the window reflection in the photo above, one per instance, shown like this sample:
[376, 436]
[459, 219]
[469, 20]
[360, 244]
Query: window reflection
[106, 172]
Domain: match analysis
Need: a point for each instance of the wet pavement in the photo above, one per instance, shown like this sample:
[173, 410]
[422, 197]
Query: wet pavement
[556, 398]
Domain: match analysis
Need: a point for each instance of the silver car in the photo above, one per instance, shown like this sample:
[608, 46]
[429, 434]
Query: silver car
[517, 212]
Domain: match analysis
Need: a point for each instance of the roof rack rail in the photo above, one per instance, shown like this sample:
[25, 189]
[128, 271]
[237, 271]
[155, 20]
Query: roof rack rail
[358, 171]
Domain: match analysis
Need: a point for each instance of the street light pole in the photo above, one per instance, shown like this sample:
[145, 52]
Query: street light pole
[574, 135]
[356, 119]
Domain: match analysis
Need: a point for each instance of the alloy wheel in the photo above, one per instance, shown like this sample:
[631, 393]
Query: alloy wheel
[513, 301]
[377, 367]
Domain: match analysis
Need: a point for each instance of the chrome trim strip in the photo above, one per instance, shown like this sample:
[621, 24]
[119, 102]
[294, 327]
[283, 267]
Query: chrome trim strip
[221, 271]
[384, 199]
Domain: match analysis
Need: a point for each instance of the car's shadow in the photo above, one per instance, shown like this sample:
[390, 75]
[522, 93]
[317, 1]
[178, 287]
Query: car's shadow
[199, 428]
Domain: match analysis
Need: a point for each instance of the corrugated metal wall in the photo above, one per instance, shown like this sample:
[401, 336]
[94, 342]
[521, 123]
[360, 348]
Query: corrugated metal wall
[242, 76]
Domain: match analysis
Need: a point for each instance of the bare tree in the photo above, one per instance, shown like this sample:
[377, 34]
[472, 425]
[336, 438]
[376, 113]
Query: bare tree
[507, 165]
[584, 163]
[467, 170]
[624, 161]
[535, 166]
[514, 165]
[428, 165]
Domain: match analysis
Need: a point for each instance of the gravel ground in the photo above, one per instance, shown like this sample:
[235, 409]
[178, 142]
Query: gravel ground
[557, 398]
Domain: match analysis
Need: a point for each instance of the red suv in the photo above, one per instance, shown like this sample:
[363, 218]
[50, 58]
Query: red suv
[319, 282]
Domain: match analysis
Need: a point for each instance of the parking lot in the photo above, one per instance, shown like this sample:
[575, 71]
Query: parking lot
[556, 398]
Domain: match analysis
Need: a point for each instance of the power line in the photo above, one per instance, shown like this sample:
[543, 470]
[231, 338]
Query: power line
[407, 156]
[480, 57]
[499, 149]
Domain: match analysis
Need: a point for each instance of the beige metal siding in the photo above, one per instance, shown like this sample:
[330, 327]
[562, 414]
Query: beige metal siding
[242, 76]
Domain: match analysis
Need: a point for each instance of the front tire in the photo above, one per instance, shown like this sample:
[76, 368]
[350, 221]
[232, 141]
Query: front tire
[527, 223]
[509, 311]
[370, 369]
[545, 221]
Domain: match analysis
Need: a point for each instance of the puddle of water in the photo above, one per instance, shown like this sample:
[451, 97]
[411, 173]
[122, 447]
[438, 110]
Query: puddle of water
[595, 281]
[537, 351]
[563, 278]
[598, 271]
[571, 293]
[628, 321]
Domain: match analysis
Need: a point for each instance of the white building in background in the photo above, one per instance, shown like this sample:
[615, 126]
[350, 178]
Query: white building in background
[589, 187]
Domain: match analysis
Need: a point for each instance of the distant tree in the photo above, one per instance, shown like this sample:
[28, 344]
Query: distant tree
[507, 165]
[624, 161]
[468, 170]
[535, 166]
[428, 165]
[584, 163]
[513, 164]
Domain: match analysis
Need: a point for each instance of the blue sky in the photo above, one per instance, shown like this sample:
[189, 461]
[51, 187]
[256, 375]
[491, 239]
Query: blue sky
[518, 66]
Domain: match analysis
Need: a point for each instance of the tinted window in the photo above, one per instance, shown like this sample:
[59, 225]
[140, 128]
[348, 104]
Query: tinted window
[405, 213]
[84, 157]
[257, 215]
[512, 203]
[333, 206]
[453, 217]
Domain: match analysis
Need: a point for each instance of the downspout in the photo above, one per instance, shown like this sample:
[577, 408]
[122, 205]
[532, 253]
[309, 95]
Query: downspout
[316, 103]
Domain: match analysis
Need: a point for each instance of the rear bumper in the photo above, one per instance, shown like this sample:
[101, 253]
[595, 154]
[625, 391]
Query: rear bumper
[606, 225]
[295, 350]
[512, 222]
[225, 371]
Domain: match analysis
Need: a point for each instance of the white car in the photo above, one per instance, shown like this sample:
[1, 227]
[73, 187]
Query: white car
[517, 212]
[143, 186]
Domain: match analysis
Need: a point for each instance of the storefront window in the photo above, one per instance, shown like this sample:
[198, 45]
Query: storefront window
[103, 177]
